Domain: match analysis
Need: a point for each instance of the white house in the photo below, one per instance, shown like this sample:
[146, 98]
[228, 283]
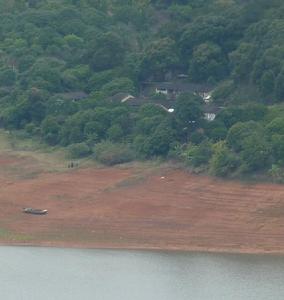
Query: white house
[209, 116]
[160, 90]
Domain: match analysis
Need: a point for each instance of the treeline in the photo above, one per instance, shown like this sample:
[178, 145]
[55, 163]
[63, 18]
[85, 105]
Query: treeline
[50, 48]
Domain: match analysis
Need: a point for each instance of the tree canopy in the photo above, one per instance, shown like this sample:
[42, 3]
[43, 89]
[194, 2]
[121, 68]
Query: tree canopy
[62, 63]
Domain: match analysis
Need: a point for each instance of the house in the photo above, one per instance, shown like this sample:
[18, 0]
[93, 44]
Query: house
[206, 96]
[172, 89]
[210, 111]
[168, 103]
[121, 98]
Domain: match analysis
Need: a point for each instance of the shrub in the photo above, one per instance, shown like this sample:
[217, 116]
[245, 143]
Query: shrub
[197, 137]
[30, 128]
[79, 150]
[110, 153]
[223, 91]
[276, 173]
[197, 155]
[223, 160]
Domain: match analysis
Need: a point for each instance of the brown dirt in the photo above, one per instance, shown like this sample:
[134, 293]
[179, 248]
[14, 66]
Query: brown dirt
[133, 207]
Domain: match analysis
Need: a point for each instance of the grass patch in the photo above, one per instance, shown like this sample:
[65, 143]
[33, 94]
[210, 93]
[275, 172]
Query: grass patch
[5, 234]
[46, 158]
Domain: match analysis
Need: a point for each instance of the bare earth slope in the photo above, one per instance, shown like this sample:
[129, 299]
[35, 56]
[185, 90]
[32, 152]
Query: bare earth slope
[137, 208]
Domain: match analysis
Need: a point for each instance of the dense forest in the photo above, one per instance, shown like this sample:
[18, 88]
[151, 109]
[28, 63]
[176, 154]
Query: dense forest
[62, 62]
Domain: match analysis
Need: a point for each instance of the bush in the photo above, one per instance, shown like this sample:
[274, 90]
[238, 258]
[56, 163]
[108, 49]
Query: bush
[110, 153]
[276, 173]
[197, 155]
[223, 91]
[223, 160]
[79, 150]
[30, 128]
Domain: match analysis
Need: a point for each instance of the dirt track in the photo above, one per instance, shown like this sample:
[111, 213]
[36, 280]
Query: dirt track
[133, 208]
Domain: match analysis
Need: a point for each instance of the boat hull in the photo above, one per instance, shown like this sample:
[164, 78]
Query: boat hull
[34, 211]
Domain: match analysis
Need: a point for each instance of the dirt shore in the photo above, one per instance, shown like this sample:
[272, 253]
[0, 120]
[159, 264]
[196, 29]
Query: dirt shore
[137, 208]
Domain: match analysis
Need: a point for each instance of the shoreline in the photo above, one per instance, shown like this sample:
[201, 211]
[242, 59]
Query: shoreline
[171, 249]
[138, 208]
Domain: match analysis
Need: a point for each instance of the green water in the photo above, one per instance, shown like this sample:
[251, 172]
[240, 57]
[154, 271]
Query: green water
[42, 273]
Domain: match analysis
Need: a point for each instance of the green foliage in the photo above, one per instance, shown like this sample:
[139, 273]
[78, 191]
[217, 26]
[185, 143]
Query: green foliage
[277, 144]
[242, 60]
[188, 112]
[276, 126]
[157, 142]
[240, 131]
[62, 64]
[255, 152]
[110, 153]
[223, 92]
[279, 87]
[7, 77]
[115, 133]
[118, 85]
[245, 113]
[207, 61]
[160, 56]
[50, 130]
[106, 51]
[79, 150]
[180, 12]
[216, 130]
[276, 173]
[223, 161]
[197, 155]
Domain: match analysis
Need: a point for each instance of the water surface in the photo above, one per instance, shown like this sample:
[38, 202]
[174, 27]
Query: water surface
[65, 274]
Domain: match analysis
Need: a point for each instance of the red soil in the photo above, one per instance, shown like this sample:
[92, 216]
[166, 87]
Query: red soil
[116, 208]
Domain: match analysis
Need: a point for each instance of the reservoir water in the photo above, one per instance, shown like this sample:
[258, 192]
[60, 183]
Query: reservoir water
[65, 274]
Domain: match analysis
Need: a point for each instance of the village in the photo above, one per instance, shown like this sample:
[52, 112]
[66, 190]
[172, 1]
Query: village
[163, 94]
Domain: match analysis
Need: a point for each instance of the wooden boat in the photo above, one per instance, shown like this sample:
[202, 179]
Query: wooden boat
[34, 211]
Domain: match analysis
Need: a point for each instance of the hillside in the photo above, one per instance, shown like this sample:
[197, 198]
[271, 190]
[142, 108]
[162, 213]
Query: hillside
[64, 63]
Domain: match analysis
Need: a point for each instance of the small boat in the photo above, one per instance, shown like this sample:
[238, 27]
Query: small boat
[34, 211]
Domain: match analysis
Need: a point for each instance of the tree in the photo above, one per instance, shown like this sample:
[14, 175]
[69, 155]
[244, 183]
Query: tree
[242, 61]
[148, 125]
[223, 161]
[277, 143]
[197, 155]
[106, 51]
[151, 110]
[255, 152]
[279, 86]
[115, 133]
[238, 133]
[115, 86]
[203, 29]
[110, 153]
[245, 113]
[276, 126]
[159, 142]
[216, 130]
[50, 130]
[267, 83]
[7, 77]
[276, 173]
[207, 61]
[188, 113]
[181, 12]
[79, 150]
[160, 57]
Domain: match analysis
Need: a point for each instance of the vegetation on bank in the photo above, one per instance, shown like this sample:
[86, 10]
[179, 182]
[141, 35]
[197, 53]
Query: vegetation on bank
[50, 50]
